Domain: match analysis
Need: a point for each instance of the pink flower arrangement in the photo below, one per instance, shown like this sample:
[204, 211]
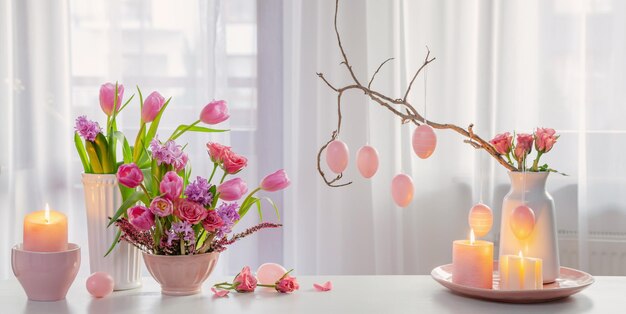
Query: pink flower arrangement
[543, 140]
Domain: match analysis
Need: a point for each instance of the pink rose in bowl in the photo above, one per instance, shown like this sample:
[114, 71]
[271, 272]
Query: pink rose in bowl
[171, 185]
[545, 139]
[502, 143]
[233, 163]
[232, 189]
[189, 211]
[212, 222]
[245, 281]
[161, 207]
[523, 146]
[129, 175]
[107, 97]
[275, 181]
[217, 151]
[151, 106]
[140, 217]
[214, 112]
[287, 284]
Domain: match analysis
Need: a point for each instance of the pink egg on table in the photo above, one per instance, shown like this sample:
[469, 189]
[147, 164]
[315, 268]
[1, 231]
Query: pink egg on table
[522, 221]
[480, 219]
[269, 273]
[337, 156]
[424, 141]
[367, 161]
[100, 284]
[402, 189]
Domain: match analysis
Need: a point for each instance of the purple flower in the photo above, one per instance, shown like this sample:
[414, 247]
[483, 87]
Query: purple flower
[87, 129]
[181, 229]
[169, 153]
[198, 191]
[229, 215]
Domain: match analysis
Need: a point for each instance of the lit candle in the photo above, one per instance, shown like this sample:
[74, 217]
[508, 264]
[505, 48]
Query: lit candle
[472, 262]
[45, 231]
[520, 273]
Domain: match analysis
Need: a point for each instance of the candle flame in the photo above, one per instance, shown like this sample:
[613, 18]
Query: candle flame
[472, 237]
[47, 213]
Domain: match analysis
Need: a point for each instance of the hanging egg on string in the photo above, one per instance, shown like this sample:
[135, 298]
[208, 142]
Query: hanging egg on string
[480, 219]
[424, 141]
[522, 221]
[402, 190]
[337, 156]
[367, 161]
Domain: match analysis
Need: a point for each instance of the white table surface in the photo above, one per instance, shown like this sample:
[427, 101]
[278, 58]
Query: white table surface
[351, 294]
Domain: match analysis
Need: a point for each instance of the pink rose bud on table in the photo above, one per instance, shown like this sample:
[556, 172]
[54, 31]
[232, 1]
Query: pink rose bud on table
[275, 181]
[545, 139]
[287, 284]
[502, 143]
[523, 146]
[232, 189]
[171, 185]
[151, 107]
[214, 112]
[161, 207]
[234, 163]
[107, 97]
[141, 217]
[129, 175]
[217, 151]
[245, 281]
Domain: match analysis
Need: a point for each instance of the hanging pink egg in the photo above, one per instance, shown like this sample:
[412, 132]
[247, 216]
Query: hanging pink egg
[269, 273]
[367, 161]
[402, 189]
[100, 284]
[424, 141]
[337, 156]
[522, 221]
[480, 219]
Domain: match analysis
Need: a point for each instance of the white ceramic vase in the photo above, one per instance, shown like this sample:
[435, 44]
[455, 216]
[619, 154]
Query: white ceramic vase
[102, 199]
[542, 242]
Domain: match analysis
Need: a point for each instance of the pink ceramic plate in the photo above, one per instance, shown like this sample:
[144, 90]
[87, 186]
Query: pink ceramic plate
[570, 282]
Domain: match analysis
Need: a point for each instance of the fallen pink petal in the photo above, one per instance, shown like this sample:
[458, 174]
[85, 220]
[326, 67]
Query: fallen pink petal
[324, 287]
[220, 293]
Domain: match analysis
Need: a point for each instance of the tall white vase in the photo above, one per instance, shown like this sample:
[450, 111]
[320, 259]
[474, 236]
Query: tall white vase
[102, 199]
[542, 242]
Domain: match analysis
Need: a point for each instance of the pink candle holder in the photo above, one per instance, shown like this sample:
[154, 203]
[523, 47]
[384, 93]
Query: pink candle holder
[46, 276]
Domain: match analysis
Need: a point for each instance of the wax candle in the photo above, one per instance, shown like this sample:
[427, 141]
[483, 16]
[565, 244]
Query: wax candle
[472, 262]
[45, 231]
[520, 273]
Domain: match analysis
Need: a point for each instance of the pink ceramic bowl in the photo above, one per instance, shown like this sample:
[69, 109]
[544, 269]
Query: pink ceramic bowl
[46, 276]
[181, 274]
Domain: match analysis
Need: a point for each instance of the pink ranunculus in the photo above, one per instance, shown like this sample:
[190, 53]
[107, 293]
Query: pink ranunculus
[107, 97]
[129, 175]
[212, 221]
[214, 112]
[545, 139]
[233, 163]
[171, 185]
[140, 217]
[161, 206]
[232, 189]
[275, 181]
[523, 146]
[502, 143]
[245, 281]
[151, 106]
[217, 151]
[189, 211]
[287, 284]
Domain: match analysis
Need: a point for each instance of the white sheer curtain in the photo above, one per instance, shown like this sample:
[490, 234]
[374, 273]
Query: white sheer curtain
[503, 65]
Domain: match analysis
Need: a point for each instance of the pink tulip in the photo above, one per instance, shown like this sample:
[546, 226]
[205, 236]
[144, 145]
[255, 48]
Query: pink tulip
[245, 281]
[545, 139]
[107, 97]
[275, 181]
[502, 143]
[234, 163]
[151, 106]
[214, 112]
[217, 151]
[161, 207]
[171, 185]
[523, 146]
[140, 217]
[287, 284]
[129, 175]
[232, 189]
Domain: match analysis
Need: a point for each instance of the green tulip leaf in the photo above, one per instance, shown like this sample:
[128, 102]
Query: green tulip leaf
[130, 201]
[80, 148]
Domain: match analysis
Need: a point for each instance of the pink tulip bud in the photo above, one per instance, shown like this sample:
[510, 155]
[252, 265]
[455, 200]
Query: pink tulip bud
[129, 175]
[151, 106]
[214, 112]
[275, 181]
[107, 97]
[171, 185]
[232, 189]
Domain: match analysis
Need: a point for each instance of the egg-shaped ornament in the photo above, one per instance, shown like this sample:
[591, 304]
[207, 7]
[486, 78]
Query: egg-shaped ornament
[367, 161]
[100, 284]
[337, 156]
[270, 273]
[480, 219]
[424, 141]
[522, 221]
[402, 189]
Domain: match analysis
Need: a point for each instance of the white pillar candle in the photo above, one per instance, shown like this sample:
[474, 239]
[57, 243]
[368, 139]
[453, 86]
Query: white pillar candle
[520, 273]
[472, 263]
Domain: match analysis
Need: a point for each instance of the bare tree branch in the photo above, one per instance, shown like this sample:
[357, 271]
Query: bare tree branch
[374, 75]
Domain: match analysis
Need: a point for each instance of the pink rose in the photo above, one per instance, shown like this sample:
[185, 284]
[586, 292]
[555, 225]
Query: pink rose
[129, 175]
[107, 97]
[234, 163]
[287, 284]
[523, 146]
[502, 143]
[212, 222]
[140, 217]
[275, 181]
[171, 185]
[189, 211]
[217, 151]
[232, 189]
[545, 139]
[151, 106]
[214, 112]
[161, 207]
[245, 281]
